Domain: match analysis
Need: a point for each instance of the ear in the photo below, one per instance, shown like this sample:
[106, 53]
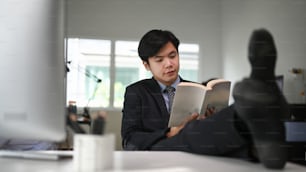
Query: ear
[146, 65]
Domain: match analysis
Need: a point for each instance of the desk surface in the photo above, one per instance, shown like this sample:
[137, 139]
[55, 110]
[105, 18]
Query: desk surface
[143, 161]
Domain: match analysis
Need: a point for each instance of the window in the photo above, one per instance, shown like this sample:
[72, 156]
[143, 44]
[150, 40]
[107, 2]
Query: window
[116, 64]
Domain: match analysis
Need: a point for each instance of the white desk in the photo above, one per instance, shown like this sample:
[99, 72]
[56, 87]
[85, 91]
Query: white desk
[144, 161]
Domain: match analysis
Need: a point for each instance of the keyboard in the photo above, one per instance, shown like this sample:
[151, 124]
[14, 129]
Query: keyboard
[42, 155]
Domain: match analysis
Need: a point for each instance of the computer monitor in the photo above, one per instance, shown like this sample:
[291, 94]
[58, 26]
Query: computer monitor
[280, 81]
[32, 70]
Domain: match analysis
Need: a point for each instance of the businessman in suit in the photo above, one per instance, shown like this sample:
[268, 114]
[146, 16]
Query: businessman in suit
[226, 133]
[146, 105]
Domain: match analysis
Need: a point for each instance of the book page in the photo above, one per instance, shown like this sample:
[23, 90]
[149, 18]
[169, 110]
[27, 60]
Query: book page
[187, 100]
[212, 83]
[218, 96]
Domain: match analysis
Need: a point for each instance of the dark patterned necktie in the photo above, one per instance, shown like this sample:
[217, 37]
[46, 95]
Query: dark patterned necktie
[170, 91]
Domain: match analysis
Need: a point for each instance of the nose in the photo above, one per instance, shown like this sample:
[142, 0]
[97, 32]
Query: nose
[168, 62]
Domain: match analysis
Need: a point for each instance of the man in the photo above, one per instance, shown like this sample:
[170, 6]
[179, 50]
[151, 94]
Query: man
[145, 118]
[226, 133]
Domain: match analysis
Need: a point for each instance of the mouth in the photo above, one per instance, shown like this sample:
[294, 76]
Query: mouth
[170, 72]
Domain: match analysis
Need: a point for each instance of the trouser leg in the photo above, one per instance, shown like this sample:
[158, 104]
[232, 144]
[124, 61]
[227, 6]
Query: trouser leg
[215, 135]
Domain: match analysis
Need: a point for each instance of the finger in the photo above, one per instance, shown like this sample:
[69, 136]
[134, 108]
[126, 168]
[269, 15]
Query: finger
[191, 117]
[194, 116]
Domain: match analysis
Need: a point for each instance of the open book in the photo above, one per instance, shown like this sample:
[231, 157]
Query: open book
[194, 97]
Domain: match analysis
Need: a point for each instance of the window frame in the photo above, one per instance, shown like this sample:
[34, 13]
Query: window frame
[113, 68]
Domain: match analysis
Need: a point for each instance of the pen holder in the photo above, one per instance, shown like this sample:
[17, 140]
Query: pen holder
[93, 152]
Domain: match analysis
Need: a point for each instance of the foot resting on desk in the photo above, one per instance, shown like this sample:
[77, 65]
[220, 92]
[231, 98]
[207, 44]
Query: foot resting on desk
[259, 102]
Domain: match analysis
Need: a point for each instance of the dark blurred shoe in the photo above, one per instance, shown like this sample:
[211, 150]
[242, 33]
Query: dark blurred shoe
[260, 109]
[261, 105]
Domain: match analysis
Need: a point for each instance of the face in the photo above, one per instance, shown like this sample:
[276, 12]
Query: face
[164, 65]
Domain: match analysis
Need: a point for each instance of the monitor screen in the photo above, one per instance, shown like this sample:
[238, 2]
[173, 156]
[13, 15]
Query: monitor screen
[32, 70]
[280, 81]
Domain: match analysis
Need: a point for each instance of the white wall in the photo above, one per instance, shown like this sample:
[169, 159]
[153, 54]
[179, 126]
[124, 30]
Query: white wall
[193, 21]
[221, 28]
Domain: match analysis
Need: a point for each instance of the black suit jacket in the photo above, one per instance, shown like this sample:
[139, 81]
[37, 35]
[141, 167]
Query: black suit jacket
[145, 116]
[145, 124]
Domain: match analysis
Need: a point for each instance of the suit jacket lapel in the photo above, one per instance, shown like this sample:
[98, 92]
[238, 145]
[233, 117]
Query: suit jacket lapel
[157, 95]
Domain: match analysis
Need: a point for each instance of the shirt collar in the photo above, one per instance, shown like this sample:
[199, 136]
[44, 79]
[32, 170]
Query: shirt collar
[174, 84]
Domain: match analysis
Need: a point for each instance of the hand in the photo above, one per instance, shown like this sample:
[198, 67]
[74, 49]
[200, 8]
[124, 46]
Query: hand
[209, 111]
[174, 130]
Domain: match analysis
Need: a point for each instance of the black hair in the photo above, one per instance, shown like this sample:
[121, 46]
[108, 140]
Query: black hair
[153, 41]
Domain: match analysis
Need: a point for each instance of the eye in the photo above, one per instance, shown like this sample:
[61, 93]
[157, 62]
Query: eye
[172, 54]
[158, 59]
